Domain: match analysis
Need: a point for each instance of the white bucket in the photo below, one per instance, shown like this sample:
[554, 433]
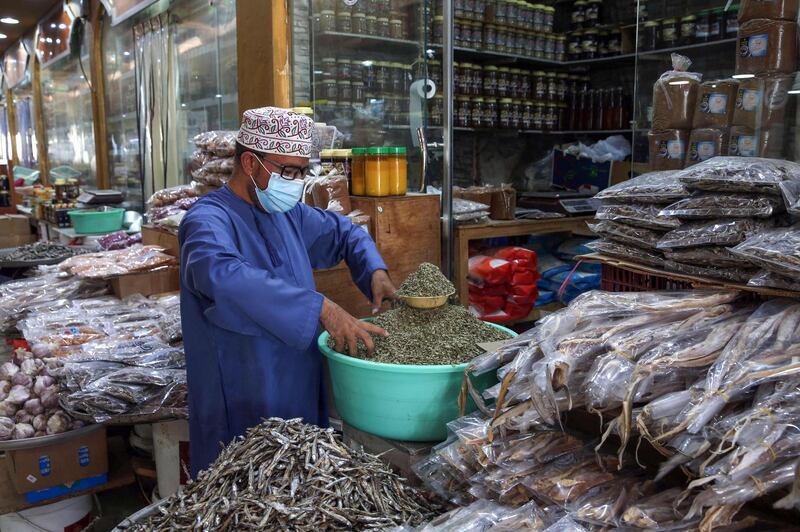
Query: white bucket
[56, 517]
[170, 443]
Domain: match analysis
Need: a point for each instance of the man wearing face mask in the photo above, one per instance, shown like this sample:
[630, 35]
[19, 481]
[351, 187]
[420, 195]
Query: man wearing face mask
[250, 311]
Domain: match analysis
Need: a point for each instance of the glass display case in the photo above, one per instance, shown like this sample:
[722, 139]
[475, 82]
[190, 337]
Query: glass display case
[67, 113]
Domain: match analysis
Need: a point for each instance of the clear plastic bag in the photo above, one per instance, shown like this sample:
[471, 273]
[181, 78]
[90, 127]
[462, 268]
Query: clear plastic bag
[463, 206]
[331, 193]
[723, 232]
[654, 512]
[645, 216]
[711, 206]
[769, 279]
[740, 174]
[653, 187]
[675, 94]
[168, 196]
[634, 236]
[791, 196]
[776, 250]
[708, 256]
[735, 275]
[221, 165]
[207, 177]
[626, 252]
[220, 143]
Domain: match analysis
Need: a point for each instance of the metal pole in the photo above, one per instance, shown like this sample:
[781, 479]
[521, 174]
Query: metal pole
[447, 137]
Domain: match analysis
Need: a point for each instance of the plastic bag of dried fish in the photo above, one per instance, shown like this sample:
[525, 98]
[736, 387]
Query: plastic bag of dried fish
[634, 236]
[653, 187]
[767, 279]
[735, 275]
[569, 478]
[776, 250]
[565, 524]
[646, 216]
[791, 196]
[604, 504]
[740, 174]
[657, 512]
[626, 252]
[711, 206]
[709, 256]
[724, 232]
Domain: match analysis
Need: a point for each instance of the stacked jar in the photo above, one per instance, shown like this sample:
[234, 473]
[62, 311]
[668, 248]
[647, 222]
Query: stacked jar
[378, 18]
[706, 26]
[385, 172]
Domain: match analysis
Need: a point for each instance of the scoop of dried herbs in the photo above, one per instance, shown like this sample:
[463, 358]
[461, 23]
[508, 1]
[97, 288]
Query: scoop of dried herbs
[426, 281]
[444, 335]
[286, 475]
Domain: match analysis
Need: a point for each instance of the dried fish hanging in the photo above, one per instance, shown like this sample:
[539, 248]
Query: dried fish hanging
[286, 475]
[710, 381]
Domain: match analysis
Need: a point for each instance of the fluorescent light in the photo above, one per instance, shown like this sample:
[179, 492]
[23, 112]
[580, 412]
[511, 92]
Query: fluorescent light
[62, 26]
[793, 91]
[743, 76]
[3, 36]
[52, 24]
[126, 53]
[218, 95]
[684, 82]
[9, 20]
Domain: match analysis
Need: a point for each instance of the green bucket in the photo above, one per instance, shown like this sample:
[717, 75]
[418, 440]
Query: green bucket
[96, 221]
[396, 401]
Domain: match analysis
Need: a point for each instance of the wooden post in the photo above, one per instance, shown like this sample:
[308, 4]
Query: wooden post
[11, 114]
[263, 53]
[98, 95]
[38, 120]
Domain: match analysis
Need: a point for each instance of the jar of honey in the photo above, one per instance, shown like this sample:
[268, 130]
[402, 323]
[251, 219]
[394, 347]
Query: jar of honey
[358, 183]
[378, 172]
[398, 171]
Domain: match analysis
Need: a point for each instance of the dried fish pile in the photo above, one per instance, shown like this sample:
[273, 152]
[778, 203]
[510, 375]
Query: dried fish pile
[444, 335]
[695, 217]
[42, 251]
[111, 358]
[713, 383]
[426, 281]
[286, 475]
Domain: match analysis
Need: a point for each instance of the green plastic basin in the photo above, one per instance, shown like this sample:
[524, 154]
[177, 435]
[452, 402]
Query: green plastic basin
[396, 401]
[90, 221]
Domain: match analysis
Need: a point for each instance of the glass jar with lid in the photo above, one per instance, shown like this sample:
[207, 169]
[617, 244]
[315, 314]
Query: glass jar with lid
[538, 17]
[501, 12]
[377, 172]
[436, 110]
[343, 69]
[502, 39]
[476, 81]
[458, 32]
[539, 110]
[383, 26]
[328, 68]
[549, 46]
[327, 21]
[538, 45]
[407, 78]
[539, 85]
[503, 75]
[477, 36]
[602, 43]
[489, 81]
[669, 32]
[382, 76]
[435, 71]
[512, 40]
[438, 26]
[688, 31]
[463, 111]
[561, 86]
[479, 9]
[592, 13]
[527, 115]
[458, 8]
[344, 110]
[328, 89]
[372, 25]
[359, 93]
[551, 116]
[398, 171]
[512, 12]
[516, 114]
[561, 48]
[589, 44]
[344, 21]
[490, 37]
[358, 171]
[716, 24]
[514, 83]
[574, 49]
[578, 16]
[505, 112]
[490, 113]
[359, 23]
[702, 25]
[466, 33]
[396, 28]
[615, 41]
[549, 18]
[552, 87]
[649, 35]
[396, 76]
[476, 112]
[344, 89]
[729, 21]
[462, 77]
[524, 84]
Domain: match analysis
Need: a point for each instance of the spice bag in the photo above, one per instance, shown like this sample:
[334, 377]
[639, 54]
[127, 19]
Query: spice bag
[716, 102]
[674, 96]
[667, 148]
[766, 46]
[706, 143]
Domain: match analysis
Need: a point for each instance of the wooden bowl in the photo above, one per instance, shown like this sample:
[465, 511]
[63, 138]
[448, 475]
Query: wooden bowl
[426, 302]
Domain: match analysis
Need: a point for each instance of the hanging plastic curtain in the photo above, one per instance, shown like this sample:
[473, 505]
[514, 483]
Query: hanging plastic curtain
[157, 89]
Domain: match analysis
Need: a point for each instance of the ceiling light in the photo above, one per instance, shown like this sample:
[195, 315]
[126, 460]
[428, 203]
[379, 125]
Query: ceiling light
[9, 20]
[52, 24]
[62, 26]
[126, 53]
[793, 91]
[3, 36]
[743, 76]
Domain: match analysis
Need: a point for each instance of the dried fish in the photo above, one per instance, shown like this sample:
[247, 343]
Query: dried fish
[286, 475]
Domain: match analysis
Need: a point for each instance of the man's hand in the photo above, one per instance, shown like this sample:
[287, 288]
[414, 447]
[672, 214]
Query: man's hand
[382, 289]
[346, 330]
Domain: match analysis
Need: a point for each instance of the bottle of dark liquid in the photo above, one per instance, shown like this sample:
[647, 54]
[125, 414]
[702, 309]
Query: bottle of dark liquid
[600, 109]
[622, 113]
[588, 116]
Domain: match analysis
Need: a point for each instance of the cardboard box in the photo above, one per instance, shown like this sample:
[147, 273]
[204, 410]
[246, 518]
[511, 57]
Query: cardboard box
[573, 173]
[13, 241]
[147, 283]
[154, 236]
[14, 224]
[53, 470]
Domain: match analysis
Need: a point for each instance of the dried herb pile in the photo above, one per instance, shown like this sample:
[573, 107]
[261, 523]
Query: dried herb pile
[444, 335]
[286, 475]
[426, 281]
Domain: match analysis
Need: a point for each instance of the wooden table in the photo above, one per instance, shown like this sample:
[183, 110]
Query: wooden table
[495, 229]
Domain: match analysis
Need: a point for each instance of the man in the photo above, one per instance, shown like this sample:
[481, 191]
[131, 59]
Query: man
[249, 308]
